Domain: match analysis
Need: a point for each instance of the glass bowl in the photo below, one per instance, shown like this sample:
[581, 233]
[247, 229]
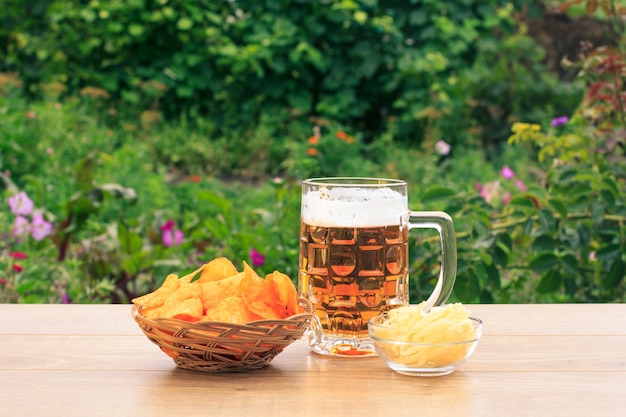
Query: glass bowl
[421, 358]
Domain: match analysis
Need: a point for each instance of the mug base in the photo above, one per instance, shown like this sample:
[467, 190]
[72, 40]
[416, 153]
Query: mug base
[344, 348]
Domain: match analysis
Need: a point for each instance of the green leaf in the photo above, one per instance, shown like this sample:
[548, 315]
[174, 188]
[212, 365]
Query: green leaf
[567, 174]
[610, 185]
[467, 288]
[559, 206]
[129, 242]
[486, 258]
[570, 264]
[609, 253]
[418, 17]
[506, 240]
[493, 276]
[436, 193]
[571, 286]
[184, 23]
[486, 297]
[528, 226]
[615, 275]
[608, 198]
[544, 243]
[597, 212]
[569, 237]
[543, 262]
[499, 255]
[550, 282]
[546, 219]
[580, 190]
[136, 263]
[135, 29]
[522, 202]
[585, 234]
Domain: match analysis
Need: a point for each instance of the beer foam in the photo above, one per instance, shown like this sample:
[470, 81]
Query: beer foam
[353, 207]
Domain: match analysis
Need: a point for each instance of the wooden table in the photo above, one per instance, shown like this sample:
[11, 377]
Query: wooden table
[533, 360]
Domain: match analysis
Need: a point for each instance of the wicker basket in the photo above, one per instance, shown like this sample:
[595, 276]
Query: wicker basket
[223, 347]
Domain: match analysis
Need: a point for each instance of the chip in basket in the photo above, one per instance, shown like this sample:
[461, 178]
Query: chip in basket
[224, 320]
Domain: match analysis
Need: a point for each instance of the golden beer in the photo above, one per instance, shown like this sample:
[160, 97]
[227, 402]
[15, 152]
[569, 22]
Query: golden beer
[353, 262]
[352, 274]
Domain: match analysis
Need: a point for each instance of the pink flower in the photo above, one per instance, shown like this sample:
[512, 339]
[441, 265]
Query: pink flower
[257, 258]
[520, 184]
[18, 255]
[171, 236]
[65, 299]
[507, 173]
[442, 147]
[40, 228]
[489, 190]
[21, 227]
[168, 226]
[18, 268]
[20, 204]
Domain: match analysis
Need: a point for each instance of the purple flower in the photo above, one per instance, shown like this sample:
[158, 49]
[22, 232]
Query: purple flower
[40, 228]
[171, 236]
[65, 299]
[20, 204]
[21, 227]
[520, 184]
[507, 173]
[257, 258]
[559, 121]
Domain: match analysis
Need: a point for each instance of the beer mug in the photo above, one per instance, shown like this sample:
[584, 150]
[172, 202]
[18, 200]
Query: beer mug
[354, 257]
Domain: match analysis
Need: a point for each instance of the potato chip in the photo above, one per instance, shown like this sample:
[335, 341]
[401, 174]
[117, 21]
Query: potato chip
[215, 291]
[158, 296]
[232, 310]
[287, 294]
[222, 293]
[189, 277]
[178, 303]
[190, 309]
[217, 269]
[260, 296]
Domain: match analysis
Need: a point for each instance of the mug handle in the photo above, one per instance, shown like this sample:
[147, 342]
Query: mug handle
[442, 222]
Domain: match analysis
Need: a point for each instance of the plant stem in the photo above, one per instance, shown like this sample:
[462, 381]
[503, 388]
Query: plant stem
[579, 216]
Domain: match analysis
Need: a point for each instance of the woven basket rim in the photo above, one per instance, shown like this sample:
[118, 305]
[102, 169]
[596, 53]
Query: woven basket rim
[136, 311]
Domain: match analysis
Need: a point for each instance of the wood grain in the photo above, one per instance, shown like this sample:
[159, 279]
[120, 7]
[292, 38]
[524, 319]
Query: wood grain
[533, 360]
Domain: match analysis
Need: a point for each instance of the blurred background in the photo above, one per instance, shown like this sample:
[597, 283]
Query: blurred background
[142, 137]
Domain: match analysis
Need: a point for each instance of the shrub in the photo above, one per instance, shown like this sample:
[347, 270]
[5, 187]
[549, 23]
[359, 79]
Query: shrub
[372, 65]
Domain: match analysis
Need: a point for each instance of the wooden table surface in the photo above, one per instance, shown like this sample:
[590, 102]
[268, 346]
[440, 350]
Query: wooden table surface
[93, 360]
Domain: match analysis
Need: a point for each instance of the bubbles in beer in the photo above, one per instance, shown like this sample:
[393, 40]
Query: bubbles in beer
[353, 274]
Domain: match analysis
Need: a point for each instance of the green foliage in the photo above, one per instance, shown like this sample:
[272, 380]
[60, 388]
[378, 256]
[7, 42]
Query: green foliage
[413, 66]
[133, 196]
[496, 102]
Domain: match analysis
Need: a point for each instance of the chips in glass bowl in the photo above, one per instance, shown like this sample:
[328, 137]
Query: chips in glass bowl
[224, 320]
[413, 342]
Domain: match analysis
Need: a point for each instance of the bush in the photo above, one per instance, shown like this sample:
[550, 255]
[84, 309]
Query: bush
[99, 207]
[413, 67]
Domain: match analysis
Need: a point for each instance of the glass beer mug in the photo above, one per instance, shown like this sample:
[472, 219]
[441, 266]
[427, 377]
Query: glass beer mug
[353, 262]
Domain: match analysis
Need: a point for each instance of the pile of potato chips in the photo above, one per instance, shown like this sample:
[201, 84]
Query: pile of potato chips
[222, 293]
